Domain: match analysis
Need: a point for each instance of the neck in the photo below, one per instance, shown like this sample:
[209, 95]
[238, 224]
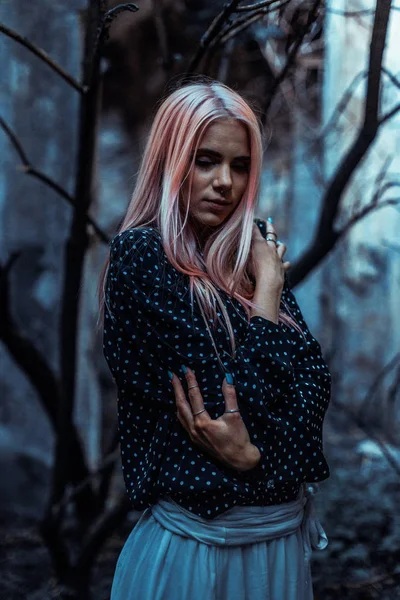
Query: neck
[203, 232]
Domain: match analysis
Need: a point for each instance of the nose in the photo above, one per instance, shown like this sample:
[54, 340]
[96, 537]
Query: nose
[223, 180]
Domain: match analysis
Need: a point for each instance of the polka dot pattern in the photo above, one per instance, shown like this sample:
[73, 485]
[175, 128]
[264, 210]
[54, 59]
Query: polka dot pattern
[281, 379]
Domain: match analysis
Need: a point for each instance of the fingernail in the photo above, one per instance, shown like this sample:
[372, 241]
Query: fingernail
[170, 375]
[279, 242]
[184, 369]
[270, 219]
[229, 378]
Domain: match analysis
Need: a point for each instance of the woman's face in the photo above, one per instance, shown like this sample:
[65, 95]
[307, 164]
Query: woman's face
[220, 173]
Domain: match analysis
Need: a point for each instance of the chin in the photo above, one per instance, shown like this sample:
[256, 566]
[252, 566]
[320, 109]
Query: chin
[212, 217]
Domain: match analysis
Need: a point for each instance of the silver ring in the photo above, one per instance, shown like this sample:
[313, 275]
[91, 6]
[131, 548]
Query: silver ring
[200, 411]
[272, 233]
[233, 410]
[193, 386]
[268, 239]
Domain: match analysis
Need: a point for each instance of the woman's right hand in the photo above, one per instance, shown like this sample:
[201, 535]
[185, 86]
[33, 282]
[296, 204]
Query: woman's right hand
[267, 258]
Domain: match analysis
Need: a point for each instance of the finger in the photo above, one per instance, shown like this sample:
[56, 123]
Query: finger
[195, 397]
[286, 265]
[256, 232]
[182, 405]
[271, 229]
[230, 397]
[271, 235]
[281, 249]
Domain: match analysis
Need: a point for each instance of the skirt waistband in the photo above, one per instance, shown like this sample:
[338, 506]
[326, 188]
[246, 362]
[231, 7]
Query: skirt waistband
[248, 524]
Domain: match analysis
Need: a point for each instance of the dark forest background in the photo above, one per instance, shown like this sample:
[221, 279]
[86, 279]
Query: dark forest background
[80, 82]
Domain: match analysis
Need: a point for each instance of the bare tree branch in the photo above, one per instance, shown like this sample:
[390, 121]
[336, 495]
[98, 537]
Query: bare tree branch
[243, 23]
[311, 18]
[379, 181]
[43, 56]
[256, 6]
[167, 57]
[326, 237]
[349, 585]
[364, 427]
[365, 405]
[105, 23]
[237, 26]
[214, 29]
[35, 367]
[392, 77]
[75, 251]
[30, 170]
[364, 212]
[389, 115]
[354, 13]
[339, 109]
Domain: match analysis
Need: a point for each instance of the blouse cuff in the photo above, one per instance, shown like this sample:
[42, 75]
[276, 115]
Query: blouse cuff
[257, 472]
[272, 339]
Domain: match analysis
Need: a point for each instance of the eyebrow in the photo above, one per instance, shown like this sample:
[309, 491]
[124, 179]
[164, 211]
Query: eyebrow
[219, 155]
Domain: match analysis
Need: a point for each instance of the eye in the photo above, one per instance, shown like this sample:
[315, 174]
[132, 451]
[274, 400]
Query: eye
[242, 168]
[201, 162]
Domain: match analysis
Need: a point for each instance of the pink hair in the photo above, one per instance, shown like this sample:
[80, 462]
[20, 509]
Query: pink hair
[168, 160]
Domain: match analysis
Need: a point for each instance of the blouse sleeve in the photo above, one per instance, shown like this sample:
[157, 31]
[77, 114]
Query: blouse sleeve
[304, 405]
[312, 379]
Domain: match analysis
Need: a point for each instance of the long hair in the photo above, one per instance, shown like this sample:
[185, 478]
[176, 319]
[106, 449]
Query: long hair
[167, 163]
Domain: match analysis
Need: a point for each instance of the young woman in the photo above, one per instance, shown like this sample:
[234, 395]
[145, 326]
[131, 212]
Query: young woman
[222, 389]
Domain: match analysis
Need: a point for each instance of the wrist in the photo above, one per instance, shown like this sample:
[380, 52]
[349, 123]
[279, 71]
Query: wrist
[267, 297]
[249, 459]
[268, 285]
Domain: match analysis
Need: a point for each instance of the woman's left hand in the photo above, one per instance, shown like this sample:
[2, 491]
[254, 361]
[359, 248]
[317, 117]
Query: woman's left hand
[226, 438]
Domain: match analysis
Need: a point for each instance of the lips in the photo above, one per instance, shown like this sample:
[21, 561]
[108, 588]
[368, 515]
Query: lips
[220, 202]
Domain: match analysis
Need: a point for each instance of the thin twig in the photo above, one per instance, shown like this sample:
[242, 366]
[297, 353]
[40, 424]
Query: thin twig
[389, 114]
[243, 23]
[362, 584]
[364, 427]
[364, 212]
[392, 77]
[43, 56]
[236, 27]
[256, 6]
[311, 18]
[379, 180]
[107, 19]
[213, 30]
[339, 108]
[30, 170]
[354, 13]
[364, 406]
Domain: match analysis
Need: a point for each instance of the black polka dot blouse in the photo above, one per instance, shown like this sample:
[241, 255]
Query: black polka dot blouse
[281, 379]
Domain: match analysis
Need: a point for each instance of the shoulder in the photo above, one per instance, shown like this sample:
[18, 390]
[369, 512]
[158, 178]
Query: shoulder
[138, 242]
[140, 250]
[135, 238]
